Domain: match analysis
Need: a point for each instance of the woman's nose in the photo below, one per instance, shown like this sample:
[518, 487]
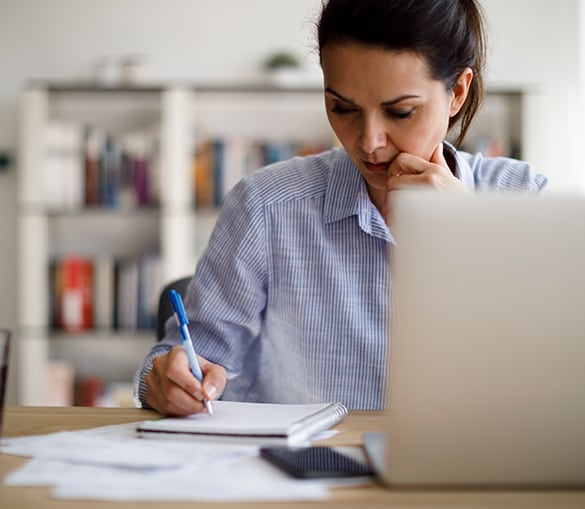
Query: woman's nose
[373, 135]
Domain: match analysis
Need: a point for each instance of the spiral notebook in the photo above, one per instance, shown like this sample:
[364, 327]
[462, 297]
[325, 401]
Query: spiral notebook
[258, 423]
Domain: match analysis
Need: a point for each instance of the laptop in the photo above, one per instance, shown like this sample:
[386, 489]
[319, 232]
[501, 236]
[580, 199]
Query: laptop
[487, 359]
[4, 358]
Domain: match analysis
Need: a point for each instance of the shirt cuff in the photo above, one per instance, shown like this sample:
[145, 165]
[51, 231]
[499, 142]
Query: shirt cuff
[139, 389]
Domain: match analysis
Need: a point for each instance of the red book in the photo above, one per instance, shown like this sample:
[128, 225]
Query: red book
[76, 294]
[89, 391]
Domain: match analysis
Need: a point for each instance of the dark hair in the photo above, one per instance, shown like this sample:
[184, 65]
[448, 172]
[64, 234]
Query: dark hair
[449, 34]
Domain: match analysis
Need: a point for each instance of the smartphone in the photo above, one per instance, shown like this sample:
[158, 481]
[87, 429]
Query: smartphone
[314, 462]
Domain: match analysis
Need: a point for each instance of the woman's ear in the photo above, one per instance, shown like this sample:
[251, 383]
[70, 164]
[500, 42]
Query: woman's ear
[460, 90]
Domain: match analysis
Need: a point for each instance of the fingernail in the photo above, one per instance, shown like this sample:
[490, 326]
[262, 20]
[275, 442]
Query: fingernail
[211, 391]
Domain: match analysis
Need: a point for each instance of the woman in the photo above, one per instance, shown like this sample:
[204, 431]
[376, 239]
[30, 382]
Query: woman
[290, 300]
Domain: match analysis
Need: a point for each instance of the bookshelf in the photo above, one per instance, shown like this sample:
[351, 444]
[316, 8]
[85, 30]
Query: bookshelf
[177, 120]
[60, 229]
[56, 223]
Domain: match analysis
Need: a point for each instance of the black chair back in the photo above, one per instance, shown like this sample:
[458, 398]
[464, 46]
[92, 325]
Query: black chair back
[165, 309]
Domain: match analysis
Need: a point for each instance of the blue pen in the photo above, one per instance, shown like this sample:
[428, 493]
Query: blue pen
[183, 323]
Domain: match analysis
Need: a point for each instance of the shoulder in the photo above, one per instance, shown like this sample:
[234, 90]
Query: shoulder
[293, 179]
[503, 173]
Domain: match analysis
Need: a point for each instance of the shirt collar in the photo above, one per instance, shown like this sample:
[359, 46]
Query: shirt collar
[347, 195]
[462, 169]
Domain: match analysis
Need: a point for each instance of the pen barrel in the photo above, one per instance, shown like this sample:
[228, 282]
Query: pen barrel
[190, 351]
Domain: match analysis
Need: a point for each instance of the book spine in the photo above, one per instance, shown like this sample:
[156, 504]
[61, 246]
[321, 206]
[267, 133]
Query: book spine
[76, 286]
[60, 383]
[89, 391]
[218, 169]
[219, 163]
[109, 169]
[203, 174]
[104, 292]
[93, 142]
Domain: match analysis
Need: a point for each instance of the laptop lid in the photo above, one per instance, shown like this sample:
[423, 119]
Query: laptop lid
[4, 358]
[487, 362]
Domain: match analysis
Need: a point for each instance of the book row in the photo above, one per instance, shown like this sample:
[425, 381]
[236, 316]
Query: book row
[85, 166]
[220, 162]
[103, 293]
[66, 387]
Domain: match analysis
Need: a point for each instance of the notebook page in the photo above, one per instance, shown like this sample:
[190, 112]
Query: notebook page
[237, 418]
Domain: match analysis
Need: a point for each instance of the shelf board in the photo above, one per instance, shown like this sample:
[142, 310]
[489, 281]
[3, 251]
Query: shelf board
[104, 212]
[227, 87]
[244, 86]
[102, 335]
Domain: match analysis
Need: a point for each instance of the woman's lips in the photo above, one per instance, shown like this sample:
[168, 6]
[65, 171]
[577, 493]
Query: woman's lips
[377, 167]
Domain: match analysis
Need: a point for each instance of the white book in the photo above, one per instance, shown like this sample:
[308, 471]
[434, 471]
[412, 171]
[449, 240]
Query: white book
[258, 423]
[234, 167]
[128, 291]
[104, 289]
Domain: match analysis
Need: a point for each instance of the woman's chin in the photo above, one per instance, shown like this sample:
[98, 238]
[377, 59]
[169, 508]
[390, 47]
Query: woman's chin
[377, 181]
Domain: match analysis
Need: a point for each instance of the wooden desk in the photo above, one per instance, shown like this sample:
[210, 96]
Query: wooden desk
[38, 420]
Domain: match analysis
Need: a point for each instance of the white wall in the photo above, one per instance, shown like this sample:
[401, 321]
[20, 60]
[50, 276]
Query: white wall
[535, 43]
[183, 40]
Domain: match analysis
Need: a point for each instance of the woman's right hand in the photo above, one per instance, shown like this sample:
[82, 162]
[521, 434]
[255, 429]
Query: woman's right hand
[172, 388]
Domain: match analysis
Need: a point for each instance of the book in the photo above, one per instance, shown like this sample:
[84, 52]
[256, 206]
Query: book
[75, 293]
[203, 174]
[104, 274]
[258, 423]
[126, 298]
[60, 383]
[93, 143]
[89, 391]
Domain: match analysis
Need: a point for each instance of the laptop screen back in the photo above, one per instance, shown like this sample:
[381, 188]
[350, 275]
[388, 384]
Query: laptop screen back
[487, 363]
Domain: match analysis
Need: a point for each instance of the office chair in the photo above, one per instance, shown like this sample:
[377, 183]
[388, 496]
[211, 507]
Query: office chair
[165, 310]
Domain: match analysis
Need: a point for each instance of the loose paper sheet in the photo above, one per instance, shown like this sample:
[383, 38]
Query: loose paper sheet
[111, 463]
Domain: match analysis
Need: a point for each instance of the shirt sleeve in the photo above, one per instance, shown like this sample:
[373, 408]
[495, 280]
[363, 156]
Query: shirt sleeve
[227, 297]
[504, 174]
[139, 391]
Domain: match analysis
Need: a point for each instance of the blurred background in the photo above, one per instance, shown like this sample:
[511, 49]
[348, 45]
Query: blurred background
[191, 89]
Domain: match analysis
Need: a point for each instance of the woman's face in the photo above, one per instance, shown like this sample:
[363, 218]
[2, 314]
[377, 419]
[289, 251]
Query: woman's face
[381, 103]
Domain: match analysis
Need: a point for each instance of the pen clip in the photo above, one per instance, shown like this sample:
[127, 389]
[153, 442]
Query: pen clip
[178, 307]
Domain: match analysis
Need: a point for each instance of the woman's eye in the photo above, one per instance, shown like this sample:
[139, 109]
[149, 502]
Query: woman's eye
[399, 114]
[343, 110]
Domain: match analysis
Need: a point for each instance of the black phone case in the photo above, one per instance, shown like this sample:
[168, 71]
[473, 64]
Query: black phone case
[314, 462]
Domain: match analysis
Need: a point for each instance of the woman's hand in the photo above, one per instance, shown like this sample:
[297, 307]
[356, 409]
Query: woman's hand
[408, 171]
[172, 388]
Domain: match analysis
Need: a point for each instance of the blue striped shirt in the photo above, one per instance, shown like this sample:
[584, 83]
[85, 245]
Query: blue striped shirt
[292, 293]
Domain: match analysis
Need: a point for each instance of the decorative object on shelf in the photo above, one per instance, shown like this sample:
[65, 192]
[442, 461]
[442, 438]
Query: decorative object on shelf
[133, 70]
[283, 68]
[128, 70]
[107, 72]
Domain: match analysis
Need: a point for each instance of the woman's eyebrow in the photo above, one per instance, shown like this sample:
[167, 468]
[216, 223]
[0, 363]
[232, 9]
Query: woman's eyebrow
[338, 95]
[400, 99]
[391, 102]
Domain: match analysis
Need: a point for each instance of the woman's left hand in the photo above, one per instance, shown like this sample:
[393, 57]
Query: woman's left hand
[408, 171]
